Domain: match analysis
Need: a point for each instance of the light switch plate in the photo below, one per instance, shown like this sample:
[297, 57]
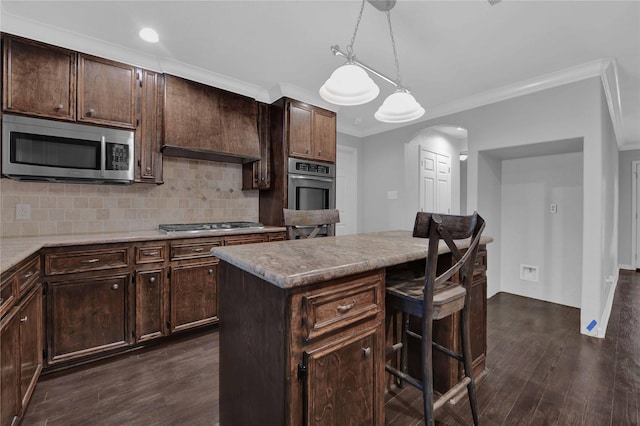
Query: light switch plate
[553, 208]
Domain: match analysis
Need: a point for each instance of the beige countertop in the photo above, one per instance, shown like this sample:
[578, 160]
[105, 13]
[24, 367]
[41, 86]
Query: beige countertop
[14, 250]
[289, 264]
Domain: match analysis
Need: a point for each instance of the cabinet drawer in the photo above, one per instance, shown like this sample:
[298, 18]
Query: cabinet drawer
[150, 253]
[88, 260]
[8, 294]
[334, 308]
[194, 249]
[246, 239]
[277, 236]
[28, 274]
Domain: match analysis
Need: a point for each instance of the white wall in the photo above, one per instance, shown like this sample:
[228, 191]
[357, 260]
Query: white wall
[572, 111]
[355, 143]
[625, 236]
[532, 235]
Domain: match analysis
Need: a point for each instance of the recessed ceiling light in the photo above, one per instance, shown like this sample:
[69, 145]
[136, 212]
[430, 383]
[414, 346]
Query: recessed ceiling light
[148, 34]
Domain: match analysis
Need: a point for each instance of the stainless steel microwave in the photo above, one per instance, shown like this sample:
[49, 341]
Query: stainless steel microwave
[36, 149]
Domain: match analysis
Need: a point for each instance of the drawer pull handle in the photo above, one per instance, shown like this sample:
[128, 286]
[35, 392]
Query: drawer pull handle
[24, 319]
[29, 274]
[366, 352]
[197, 250]
[115, 286]
[91, 261]
[151, 253]
[152, 280]
[345, 308]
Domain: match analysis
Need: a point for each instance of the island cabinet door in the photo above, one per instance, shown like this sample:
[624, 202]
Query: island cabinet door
[86, 316]
[341, 379]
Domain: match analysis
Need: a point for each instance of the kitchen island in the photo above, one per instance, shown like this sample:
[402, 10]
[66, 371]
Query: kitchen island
[303, 327]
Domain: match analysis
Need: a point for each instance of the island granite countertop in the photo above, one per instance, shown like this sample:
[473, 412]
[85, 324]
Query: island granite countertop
[288, 264]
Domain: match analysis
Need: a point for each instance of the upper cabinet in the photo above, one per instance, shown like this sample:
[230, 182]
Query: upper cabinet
[148, 156]
[205, 122]
[311, 132]
[257, 175]
[106, 92]
[44, 81]
[38, 79]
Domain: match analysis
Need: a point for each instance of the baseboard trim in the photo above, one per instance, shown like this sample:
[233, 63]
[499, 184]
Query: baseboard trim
[602, 329]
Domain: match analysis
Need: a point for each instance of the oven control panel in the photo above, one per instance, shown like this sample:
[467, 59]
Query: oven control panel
[312, 168]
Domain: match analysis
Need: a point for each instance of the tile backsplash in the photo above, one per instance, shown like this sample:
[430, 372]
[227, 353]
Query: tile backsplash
[193, 191]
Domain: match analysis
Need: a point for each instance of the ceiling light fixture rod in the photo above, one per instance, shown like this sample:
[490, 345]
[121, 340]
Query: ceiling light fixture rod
[336, 51]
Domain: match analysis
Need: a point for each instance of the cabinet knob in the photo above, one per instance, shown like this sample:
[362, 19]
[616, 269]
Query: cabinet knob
[210, 271]
[148, 169]
[90, 111]
[319, 152]
[115, 286]
[152, 279]
[24, 319]
[28, 274]
[366, 352]
[306, 151]
[58, 107]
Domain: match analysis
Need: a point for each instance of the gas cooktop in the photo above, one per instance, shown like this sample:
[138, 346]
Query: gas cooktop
[203, 227]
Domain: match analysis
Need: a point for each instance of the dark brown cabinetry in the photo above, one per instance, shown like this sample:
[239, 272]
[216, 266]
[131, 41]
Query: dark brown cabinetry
[311, 132]
[148, 156]
[150, 291]
[257, 175]
[38, 79]
[205, 122]
[106, 92]
[193, 283]
[21, 340]
[86, 316]
[332, 334]
[44, 80]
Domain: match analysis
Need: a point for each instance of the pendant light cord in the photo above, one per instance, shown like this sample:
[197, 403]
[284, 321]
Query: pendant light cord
[355, 31]
[395, 53]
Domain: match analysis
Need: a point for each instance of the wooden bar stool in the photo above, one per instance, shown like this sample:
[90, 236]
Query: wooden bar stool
[299, 221]
[434, 297]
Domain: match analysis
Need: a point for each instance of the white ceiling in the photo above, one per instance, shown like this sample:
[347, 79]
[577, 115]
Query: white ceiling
[453, 54]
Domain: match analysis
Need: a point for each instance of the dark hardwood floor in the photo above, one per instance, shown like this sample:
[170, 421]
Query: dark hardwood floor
[541, 372]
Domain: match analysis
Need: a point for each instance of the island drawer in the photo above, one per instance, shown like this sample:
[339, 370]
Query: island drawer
[194, 249]
[65, 262]
[339, 306]
[151, 253]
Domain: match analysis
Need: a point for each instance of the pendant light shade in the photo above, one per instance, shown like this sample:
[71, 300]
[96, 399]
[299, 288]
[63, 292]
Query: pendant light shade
[349, 85]
[399, 107]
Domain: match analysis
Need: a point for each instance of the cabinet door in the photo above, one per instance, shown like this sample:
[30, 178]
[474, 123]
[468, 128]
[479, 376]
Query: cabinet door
[194, 295]
[342, 381]
[30, 344]
[191, 114]
[257, 175]
[300, 122]
[239, 126]
[86, 316]
[150, 318]
[324, 135]
[148, 155]
[9, 338]
[38, 79]
[106, 92]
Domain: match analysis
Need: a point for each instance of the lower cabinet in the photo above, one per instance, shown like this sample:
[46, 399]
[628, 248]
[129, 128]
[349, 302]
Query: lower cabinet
[21, 355]
[150, 309]
[86, 316]
[320, 349]
[194, 295]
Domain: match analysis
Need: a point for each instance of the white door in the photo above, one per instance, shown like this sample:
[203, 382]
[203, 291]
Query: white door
[347, 190]
[435, 182]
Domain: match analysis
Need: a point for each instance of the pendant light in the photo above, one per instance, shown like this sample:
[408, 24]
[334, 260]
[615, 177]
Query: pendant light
[351, 85]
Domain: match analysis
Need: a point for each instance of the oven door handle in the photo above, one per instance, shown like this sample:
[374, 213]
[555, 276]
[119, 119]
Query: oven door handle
[311, 178]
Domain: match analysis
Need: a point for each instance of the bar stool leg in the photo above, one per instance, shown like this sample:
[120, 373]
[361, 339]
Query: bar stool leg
[404, 352]
[468, 365]
[427, 374]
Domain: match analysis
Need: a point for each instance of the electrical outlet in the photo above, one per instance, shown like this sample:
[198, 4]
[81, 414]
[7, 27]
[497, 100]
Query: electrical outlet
[23, 212]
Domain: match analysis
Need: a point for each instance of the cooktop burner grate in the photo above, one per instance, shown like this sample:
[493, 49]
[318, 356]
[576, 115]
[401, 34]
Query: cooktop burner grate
[211, 226]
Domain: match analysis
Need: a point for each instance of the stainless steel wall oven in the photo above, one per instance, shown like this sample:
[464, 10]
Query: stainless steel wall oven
[311, 185]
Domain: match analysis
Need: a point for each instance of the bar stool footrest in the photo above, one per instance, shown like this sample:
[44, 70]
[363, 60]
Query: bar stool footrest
[450, 395]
